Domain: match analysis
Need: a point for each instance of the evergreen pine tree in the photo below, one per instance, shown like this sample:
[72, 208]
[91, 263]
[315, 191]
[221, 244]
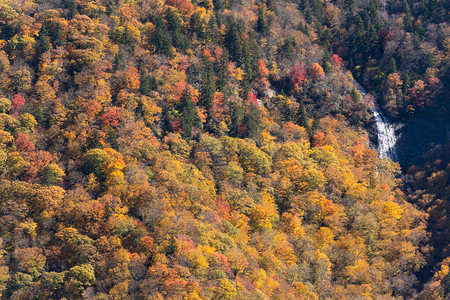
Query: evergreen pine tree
[407, 17]
[436, 8]
[253, 123]
[370, 42]
[233, 41]
[406, 83]
[288, 48]
[303, 116]
[196, 25]
[161, 38]
[44, 44]
[356, 43]
[400, 59]
[111, 138]
[262, 25]
[208, 87]
[173, 21]
[188, 115]
[237, 113]
[425, 11]
[148, 84]
[303, 27]
[317, 8]
[126, 38]
[429, 60]
[326, 62]
[179, 39]
[212, 31]
[271, 5]
[57, 35]
[251, 57]
[392, 68]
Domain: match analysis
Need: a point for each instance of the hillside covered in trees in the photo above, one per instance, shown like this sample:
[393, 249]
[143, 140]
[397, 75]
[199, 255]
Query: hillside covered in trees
[218, 149]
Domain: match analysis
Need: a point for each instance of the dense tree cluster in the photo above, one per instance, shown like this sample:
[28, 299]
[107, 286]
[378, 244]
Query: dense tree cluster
[398, 49]
[429, 186]
[198, 149]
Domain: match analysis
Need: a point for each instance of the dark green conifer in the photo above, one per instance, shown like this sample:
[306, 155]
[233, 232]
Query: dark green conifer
[233, 41]
[303, 115]
[262, 25]
[188, 115]
[406, 83]
[196, 25]
[44, 40]
[252, 122]
[212, 31]
[148, 84]
[208, 87]
[407, 18]
[326, 62]
[392, 67]
[161, 38]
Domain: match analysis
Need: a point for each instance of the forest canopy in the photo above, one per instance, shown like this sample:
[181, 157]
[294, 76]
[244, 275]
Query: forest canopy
[211, 149]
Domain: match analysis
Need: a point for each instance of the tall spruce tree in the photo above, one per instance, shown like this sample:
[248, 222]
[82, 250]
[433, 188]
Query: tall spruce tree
[208, 87]
[188, 115]
[161, 38]
[262, 25]
[233, 41]
[252, 122]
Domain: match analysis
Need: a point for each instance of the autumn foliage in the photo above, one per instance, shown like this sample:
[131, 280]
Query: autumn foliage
[205, 150]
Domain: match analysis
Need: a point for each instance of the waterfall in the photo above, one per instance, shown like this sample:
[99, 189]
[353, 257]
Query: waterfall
[386, 135]
[385, 130]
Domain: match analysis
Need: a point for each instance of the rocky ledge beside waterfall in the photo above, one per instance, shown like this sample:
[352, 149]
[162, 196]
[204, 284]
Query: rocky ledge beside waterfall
[385, 132]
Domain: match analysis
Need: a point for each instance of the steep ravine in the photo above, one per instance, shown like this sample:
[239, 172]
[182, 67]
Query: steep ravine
[418, 135]
[406, 142]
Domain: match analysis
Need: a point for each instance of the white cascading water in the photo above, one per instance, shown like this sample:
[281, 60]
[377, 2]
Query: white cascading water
[385, 131]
